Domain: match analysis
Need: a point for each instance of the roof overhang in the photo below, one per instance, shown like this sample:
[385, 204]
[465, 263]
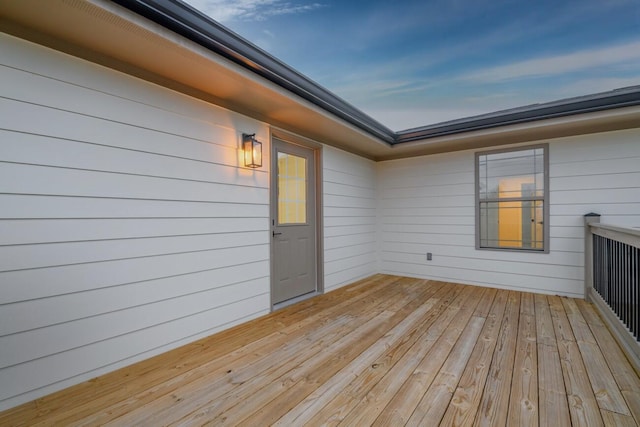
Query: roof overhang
[169, 43]
[114, 36]
[521, 132]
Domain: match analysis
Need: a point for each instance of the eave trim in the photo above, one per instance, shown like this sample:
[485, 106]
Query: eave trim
[197, 27]
[185, 20]
[619, 98]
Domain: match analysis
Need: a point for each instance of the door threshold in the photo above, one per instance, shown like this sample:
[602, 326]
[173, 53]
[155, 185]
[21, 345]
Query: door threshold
[292, 301]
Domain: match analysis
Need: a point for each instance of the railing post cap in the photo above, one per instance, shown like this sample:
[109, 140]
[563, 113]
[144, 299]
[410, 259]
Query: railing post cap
[592, 214]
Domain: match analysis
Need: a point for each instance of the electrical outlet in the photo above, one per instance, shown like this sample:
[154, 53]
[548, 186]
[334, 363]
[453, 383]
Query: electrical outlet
[429, 256]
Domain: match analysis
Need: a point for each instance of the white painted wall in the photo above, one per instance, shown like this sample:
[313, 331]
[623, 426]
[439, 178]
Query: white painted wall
[127, 227]
[349, 204]
[595, 173]
[426, 204]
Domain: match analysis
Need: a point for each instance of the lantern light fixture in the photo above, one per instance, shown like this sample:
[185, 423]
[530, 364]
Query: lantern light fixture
[252, 149]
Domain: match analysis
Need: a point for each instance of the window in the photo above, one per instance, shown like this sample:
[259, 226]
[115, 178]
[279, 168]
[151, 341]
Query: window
[292, 189]
[512, 199]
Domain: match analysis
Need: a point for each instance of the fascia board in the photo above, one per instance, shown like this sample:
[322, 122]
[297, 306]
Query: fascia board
[193, 25]
[619, 98]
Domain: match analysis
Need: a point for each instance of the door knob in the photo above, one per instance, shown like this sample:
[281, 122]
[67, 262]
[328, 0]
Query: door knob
[275, 234]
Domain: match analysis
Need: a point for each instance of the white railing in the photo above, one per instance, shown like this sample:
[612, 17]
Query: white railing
[612, 279]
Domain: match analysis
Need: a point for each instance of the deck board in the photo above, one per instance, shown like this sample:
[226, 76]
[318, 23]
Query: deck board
[583, 407]
[385, 350]
[494, 404]
[603, 384]
[523, 402]
[403, 403]
[552, 396]
[466, 398]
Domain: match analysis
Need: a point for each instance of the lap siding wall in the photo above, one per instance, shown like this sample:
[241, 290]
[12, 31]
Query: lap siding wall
[426, 204]
[349, 187]
[127, 226]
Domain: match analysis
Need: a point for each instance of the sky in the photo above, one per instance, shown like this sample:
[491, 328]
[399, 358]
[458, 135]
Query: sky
[410, 63]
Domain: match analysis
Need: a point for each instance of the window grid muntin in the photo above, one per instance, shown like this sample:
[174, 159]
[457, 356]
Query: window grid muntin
[538, 177]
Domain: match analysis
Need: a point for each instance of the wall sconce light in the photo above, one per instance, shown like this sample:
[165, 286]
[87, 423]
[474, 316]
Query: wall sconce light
[252, 151]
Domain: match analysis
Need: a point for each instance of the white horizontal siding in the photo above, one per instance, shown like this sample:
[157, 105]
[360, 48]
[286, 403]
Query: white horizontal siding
[64, 207]
[426, 204]
[596, 173]
[51, 181]
[50, 281]
[19, 317]
[127, 226]
[30, 231]
[349, 203]
[20, 257]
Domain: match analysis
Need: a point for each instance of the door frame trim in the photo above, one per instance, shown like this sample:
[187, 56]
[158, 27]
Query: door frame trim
[316, 147]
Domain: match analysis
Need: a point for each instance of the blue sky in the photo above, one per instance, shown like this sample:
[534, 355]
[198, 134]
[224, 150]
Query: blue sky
[409, 63]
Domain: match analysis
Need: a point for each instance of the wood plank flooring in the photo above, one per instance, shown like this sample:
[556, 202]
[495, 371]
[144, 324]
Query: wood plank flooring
[385, 351]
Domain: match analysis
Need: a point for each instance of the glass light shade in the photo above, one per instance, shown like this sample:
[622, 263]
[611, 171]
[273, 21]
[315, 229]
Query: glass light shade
[252, 149]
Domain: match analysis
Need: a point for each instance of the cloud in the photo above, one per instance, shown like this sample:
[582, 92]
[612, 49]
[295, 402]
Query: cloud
[250, 10]
[618, 55]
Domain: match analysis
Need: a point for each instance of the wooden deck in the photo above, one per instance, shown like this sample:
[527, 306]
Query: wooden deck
[385, 351]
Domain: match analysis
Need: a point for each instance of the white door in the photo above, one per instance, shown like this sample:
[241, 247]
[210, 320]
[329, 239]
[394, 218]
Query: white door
[293, 221]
